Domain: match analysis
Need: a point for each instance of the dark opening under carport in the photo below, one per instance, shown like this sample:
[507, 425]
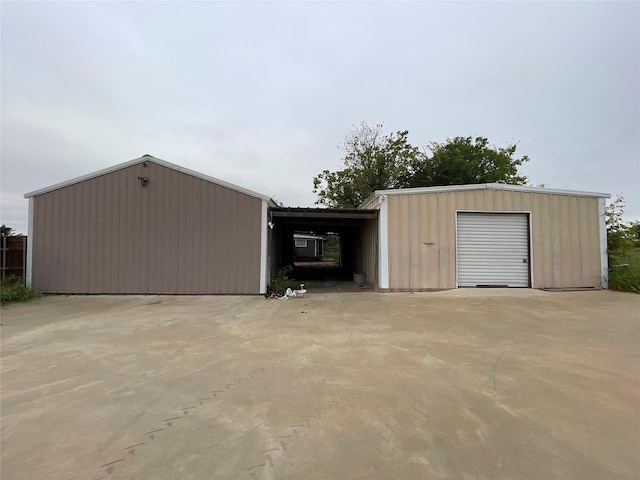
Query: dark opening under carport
[356, 228]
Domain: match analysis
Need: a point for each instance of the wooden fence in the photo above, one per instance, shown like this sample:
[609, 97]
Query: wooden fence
[13, 252]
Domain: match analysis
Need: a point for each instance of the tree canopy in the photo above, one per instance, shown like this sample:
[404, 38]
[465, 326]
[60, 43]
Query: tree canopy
[372, 161]
[6, 231]
[621, 236]
[375, 161]
[467, 160]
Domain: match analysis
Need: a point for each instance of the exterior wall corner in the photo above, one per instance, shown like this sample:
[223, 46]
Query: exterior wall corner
[383, 251]
[604, 259]
[264, 257]
[30, 244]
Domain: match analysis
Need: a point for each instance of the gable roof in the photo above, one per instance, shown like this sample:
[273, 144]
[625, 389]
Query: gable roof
[158, 161]
[482, 186]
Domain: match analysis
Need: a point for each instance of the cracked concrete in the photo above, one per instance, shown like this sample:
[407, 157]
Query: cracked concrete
[525, 385]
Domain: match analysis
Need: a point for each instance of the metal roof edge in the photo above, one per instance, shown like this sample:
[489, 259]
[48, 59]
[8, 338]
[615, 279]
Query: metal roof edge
[82, 178]
[368, 200]
[208, 178]
[159, 161]
[489, 186]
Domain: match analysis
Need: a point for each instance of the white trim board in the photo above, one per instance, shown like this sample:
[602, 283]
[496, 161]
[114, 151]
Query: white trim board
[604, 257]
[29, 272]
[264, 254]
[383, 247]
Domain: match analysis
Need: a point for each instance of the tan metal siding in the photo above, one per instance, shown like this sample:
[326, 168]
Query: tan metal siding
[421, 232]
[180, 234]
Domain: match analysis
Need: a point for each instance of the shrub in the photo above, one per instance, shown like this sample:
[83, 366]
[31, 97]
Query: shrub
[619, 233]
[624, 271]
[625, 279]
[281, 281]
[14, 289]
[335, 256]
[623, 240]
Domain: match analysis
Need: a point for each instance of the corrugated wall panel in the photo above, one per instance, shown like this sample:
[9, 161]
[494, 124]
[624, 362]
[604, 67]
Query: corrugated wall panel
[212, 240]
[414, 239]
[187, 236]
[444, 245]
[565, 237]
[102, 197]
[172, 198]
[160, 215]
[204, 231]
[179, 234]
[231, 237]
[221, 250]
[429, 239]
[63, 237]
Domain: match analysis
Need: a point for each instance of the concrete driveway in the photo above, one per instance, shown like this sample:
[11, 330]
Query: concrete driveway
[465, 384]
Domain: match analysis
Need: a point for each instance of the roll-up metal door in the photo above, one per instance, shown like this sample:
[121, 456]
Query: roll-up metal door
[493, 249]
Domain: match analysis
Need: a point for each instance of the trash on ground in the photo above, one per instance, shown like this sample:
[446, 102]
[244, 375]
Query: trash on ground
[288, 293]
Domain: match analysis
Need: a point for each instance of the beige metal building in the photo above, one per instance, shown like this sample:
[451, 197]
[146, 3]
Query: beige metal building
[489, 235]
[147, 226]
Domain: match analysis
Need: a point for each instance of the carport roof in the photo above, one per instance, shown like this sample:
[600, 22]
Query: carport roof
[320, 219]
[322, 213]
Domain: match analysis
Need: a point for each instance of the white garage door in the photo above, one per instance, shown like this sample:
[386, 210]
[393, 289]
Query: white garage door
[493, 249]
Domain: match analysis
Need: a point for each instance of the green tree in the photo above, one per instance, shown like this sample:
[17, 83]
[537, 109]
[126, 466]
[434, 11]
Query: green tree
[467, 160]
[634, 232]
[333, 240]
[372, 161]
[6, 231]
[619, 234]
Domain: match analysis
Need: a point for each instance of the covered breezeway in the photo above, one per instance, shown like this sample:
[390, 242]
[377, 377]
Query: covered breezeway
[357, 230]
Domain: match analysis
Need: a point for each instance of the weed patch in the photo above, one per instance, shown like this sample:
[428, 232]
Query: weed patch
[624, 271]
[14, 290]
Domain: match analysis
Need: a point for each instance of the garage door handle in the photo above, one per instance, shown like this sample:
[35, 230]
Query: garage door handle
[524, 260]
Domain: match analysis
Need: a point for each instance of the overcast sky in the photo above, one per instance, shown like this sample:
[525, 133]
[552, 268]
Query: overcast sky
[261, 94]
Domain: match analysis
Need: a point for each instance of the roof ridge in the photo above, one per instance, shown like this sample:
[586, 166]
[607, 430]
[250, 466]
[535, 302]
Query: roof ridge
[149, 158]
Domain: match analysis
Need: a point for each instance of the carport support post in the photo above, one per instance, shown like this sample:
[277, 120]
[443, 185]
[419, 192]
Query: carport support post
[383, 250]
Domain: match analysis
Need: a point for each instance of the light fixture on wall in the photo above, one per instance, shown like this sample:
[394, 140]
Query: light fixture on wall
[143, 181]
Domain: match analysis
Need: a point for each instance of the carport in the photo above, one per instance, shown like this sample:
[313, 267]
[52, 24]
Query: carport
[358, 241]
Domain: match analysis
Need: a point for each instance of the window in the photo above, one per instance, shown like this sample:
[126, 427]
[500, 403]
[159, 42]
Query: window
[301, 243]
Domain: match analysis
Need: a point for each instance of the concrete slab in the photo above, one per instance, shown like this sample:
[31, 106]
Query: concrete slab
[340, 385]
